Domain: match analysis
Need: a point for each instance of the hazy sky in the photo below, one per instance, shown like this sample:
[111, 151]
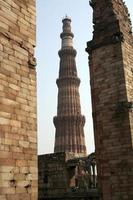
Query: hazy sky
[49, 27]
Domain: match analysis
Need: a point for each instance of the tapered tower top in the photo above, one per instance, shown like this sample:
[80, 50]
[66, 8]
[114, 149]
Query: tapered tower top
[67, 35]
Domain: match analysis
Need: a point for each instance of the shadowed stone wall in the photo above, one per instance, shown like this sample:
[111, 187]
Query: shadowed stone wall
[18, 132]
[111, 75]
[63, 176]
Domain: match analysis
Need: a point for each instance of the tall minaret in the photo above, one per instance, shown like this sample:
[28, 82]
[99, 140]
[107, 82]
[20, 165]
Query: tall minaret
[69, 122]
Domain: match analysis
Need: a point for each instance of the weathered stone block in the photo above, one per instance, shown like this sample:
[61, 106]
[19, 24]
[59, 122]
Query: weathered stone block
[14, 72]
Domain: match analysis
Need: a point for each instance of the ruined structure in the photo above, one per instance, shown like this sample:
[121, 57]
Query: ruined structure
[111, 75]
[69, 122]
[18, 136]
[63, 177]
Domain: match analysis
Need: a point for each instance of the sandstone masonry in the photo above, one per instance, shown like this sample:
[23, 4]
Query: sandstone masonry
[18, 132]
[111, 73]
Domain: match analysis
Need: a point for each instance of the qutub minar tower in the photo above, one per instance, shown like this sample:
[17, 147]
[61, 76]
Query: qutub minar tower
[62, 172]
[69, 122]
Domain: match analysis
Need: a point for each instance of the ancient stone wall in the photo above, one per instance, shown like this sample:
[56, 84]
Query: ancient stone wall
[111, 61]
[52, 175]
[18, 134]
[63, 176]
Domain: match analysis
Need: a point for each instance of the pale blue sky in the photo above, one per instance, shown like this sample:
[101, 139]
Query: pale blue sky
[49, 27]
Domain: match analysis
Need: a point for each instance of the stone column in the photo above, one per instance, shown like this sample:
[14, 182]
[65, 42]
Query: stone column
[111, 74]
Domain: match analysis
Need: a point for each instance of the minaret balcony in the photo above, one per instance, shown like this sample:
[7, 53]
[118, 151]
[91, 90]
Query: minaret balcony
[68, 80]
[77, 119]
[67, 51]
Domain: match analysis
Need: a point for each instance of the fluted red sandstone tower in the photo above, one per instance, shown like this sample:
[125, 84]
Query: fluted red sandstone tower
[69, 122]
[18, 131]
[111, 73]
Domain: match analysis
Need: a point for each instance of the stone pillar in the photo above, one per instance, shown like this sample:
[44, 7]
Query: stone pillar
[111, 75]
[18, 132]
[68, 137]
